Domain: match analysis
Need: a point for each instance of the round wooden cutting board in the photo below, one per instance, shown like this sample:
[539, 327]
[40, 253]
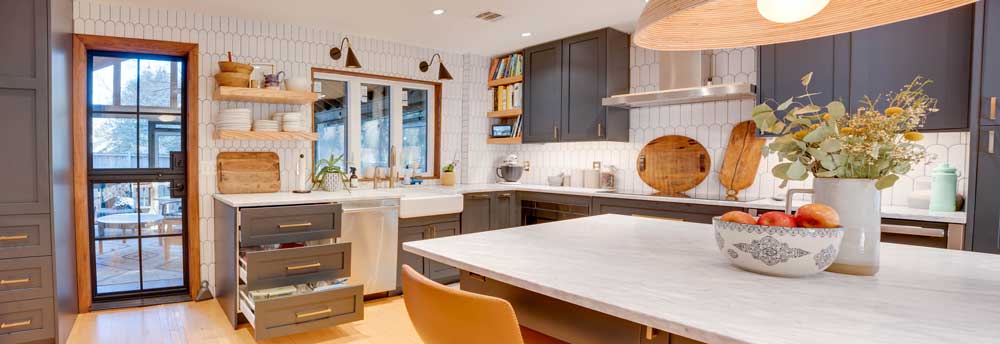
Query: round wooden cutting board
[673, 164]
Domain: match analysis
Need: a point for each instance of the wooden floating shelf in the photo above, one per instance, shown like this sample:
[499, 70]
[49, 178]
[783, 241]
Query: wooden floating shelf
[503, 140]
[263, 95]
[505, 113]
[266, 135]
[505, 81]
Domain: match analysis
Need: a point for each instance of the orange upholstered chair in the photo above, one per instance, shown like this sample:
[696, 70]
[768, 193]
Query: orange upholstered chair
[444, 315]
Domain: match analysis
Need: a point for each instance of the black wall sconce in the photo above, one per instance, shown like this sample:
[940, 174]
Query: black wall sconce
[442, 72]
[352, 60]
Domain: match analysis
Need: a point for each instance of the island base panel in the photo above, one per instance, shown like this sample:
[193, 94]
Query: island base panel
[566, 321]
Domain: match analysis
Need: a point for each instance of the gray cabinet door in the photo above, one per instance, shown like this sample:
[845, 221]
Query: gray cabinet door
[990, 99]
[24, 126]
[542, 92]
[476, 213]
[407, 234]
[938, 47]
[986, 223]
[782, 67]
[437, 271]
[503, 210]
[583, 86]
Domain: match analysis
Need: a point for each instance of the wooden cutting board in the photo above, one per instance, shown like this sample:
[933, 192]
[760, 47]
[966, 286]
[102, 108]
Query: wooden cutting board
[673, 164]
[248, 172]
[739, 166]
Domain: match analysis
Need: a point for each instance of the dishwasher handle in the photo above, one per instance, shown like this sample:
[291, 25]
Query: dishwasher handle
[370, 209]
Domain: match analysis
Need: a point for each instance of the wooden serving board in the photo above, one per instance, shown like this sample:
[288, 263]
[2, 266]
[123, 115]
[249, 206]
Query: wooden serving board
[673, 164]
[248, 172]
[743, 154]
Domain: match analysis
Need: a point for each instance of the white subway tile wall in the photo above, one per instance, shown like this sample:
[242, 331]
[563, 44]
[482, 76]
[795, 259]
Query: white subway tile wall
[295, 50]
[710, 123]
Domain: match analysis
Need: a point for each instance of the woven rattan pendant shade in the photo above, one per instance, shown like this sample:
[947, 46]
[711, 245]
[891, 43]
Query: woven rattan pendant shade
[719, 24]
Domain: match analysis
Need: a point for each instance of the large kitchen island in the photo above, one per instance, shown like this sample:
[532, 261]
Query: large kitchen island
[624, 279]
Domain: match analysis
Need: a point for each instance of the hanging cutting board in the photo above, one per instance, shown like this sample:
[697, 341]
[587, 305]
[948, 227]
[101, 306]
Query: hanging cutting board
[248, 172]
[673, 164]
[743, 154]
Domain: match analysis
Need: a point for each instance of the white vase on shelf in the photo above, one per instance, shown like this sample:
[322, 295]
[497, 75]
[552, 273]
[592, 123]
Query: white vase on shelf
[859, 204]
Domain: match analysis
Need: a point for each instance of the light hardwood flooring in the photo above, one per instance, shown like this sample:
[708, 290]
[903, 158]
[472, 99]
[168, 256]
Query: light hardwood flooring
[386, 321]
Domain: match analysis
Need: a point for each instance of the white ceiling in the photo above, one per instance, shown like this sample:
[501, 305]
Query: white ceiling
[411, 21]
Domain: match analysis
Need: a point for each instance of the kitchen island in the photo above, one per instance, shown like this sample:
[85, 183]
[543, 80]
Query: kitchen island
[629, 278]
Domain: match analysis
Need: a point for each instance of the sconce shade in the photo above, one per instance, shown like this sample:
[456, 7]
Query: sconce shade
[443, 73]
[352, 60]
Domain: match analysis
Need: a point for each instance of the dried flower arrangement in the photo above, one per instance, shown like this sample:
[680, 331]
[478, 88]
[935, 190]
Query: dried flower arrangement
[830, 143]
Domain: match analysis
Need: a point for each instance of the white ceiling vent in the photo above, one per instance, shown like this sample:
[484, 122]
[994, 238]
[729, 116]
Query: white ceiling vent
[489, 16]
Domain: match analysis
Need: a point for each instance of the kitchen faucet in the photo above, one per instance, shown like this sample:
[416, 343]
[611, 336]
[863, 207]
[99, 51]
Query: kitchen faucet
[391, 171]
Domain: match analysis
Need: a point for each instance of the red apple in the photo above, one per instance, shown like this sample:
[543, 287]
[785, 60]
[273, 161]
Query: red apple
[817, 216]
[777, 219]
[738, 217]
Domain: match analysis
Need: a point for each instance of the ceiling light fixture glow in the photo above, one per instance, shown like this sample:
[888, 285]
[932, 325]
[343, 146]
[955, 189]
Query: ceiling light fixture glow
[438, 12]
[790, 11]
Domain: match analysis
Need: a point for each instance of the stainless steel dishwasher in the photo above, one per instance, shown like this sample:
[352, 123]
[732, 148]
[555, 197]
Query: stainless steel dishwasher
[372, 228]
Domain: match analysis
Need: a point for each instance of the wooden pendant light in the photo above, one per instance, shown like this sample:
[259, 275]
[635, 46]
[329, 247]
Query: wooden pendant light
[720, 24]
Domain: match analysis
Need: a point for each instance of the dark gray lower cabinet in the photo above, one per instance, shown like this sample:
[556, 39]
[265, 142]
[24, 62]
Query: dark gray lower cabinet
[486, 211]
[986, 223]
[422, 228]
[537, 207]
[669, 211]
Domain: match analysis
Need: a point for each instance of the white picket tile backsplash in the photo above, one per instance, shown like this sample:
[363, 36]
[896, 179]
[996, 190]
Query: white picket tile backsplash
[710, 123]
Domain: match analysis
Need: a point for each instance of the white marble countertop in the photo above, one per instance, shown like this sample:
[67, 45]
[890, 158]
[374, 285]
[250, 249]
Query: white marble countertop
[286, 198]
[670, 275]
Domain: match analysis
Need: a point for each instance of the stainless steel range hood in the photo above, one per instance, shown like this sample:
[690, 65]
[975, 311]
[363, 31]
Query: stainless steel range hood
[685, 77]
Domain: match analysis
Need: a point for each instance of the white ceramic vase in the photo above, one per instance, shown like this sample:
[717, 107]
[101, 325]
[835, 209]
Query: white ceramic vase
[859, 204]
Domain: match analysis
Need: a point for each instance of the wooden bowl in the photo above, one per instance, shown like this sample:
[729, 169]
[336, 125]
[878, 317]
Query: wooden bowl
[233, 79]
[235, 67]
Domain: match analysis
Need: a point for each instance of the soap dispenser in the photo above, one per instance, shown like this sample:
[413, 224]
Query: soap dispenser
[944, 187]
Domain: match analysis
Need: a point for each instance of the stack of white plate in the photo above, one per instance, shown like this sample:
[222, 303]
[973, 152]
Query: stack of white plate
[235, 119]
[265, 125]
[291, 122]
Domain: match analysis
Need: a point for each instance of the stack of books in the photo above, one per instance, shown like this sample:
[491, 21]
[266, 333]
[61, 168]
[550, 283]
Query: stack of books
[506, 97]
[506, 67]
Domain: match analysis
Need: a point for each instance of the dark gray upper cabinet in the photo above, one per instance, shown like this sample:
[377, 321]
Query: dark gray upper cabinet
[875, 61]
[986, 222]
[938, 47]
[782, 67]
[988, 112]
[585, 68]
[24, 98]
[542, 92]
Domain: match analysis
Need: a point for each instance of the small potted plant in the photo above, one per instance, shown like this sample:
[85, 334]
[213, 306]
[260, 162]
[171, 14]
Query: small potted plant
[448, 174]
[329, 174]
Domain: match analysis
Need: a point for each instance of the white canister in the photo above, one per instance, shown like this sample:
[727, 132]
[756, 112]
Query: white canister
[298, 84]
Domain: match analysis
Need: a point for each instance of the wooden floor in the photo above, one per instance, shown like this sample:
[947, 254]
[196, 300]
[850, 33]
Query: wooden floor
[385, 321]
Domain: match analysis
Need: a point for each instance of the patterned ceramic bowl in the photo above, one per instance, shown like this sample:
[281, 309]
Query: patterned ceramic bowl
[778, 251]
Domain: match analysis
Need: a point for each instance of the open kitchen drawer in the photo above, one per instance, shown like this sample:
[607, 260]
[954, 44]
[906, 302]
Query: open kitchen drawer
[289, 266]
[302, 311]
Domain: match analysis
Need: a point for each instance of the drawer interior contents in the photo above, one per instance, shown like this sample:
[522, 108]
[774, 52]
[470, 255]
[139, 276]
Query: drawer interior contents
[296, 308]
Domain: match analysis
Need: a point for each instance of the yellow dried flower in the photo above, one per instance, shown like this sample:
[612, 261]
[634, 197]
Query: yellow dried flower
[895, 110]
[826, 116]
[913, 136]
[814, 126]
[801, 134]
[847, 131]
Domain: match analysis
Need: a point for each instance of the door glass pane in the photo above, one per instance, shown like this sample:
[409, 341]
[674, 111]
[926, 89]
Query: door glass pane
[375, 122]
[162, 262]
[113, 83]
[331, 120]
[116, 208]
[113, 140]
[415, 129]
[159, 86]
[117, 265]
[165, 214]
[164, 132]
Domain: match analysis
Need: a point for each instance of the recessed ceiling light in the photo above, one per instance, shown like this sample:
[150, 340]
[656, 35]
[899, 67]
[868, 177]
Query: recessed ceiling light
[438, 12]
[526, 34]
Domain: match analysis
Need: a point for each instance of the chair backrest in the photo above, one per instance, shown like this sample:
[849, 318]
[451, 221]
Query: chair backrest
[444, 315]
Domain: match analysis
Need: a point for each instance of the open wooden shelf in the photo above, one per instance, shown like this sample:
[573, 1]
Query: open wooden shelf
[505, 113]
[503, 140]
[505, 81]
[266, 135]
[262, 95]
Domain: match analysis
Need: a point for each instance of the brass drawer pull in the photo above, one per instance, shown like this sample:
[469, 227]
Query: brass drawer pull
[13, 237]
[993, 108]
[295, 225]
[992, 141]
[651, 333]
[15, 281]
[477, 277]
[15, 324]
[504, 195]
[600, 132]
[312, 314]
[307, 266]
